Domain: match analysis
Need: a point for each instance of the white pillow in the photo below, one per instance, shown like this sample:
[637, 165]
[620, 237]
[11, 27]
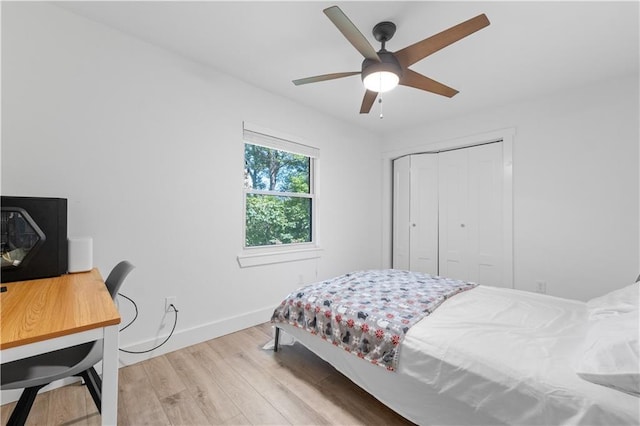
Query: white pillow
[626, 299]
[611, 352]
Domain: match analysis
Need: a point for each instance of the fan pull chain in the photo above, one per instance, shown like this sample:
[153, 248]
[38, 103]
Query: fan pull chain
[380, 102]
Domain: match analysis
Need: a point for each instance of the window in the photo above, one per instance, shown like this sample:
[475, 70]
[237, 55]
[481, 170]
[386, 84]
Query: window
[279, 196]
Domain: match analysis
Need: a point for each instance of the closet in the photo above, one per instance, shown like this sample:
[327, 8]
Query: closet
[448, 214]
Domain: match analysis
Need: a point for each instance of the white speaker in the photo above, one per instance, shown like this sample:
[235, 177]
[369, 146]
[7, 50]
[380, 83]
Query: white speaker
[80, 254]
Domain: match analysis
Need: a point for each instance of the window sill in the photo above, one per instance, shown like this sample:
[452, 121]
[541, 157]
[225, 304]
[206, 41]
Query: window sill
[247, 260]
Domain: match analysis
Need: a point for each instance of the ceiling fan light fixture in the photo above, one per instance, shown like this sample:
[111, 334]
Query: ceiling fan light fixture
[381, 81]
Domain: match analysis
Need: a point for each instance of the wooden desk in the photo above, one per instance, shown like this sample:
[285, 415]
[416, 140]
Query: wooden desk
[43, 315]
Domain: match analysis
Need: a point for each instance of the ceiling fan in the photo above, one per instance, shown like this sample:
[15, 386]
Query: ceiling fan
[383, 70]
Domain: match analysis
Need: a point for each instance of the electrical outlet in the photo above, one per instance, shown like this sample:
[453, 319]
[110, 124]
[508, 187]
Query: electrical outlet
[541, 287]
[168, 301]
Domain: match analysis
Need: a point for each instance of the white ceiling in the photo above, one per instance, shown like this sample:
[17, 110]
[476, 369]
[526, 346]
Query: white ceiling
[530, 49]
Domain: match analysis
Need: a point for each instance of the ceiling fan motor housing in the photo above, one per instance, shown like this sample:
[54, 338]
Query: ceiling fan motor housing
[388, 62]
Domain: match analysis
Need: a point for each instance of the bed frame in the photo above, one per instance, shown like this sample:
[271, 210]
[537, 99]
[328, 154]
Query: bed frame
[276, 338]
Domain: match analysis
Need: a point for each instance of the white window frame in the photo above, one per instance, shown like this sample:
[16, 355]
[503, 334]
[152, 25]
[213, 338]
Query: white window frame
[263, 255]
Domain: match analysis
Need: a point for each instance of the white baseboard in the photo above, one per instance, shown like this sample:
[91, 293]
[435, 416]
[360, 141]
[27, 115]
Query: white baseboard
[180, 339]
[201, 333]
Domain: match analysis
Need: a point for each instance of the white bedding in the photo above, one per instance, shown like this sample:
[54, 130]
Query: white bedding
[490, 356]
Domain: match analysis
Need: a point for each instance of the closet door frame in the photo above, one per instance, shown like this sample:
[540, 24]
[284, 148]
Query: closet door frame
[507, 137]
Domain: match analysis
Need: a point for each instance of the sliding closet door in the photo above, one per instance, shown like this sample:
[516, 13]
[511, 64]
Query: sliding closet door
[401, 212]
[415, 213]
[470, 214]
[423, 233]
[453, 214]
[486, 238]
[448, 212]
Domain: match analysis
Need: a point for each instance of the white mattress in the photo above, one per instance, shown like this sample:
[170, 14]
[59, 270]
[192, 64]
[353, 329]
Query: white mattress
[489, 356]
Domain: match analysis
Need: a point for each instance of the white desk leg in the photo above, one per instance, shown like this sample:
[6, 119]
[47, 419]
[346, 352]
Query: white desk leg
[110, 376]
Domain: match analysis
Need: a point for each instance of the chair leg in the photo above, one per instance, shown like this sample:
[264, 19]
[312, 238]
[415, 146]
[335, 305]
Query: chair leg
[23, 407]
[94, 385]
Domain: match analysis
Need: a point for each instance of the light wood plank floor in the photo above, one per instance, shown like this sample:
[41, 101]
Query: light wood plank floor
[230, 380]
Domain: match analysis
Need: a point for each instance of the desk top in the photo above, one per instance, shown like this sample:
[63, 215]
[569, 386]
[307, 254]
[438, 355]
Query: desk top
[36, 310]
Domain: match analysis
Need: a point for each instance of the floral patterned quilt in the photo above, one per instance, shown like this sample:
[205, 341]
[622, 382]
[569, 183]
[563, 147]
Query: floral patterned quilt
[367, 313]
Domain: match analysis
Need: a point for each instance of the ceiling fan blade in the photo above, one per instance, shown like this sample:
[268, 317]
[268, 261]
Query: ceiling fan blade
[324, 77]
[420, 50]
[418, 81]
[369, 98]
[351, 32]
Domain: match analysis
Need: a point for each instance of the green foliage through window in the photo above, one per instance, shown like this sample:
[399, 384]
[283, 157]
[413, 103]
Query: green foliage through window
[278, 200]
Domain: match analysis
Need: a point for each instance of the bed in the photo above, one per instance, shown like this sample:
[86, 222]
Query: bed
[483, 355]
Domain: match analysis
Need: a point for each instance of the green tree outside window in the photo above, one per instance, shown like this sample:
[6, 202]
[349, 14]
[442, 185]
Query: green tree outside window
[278, 200]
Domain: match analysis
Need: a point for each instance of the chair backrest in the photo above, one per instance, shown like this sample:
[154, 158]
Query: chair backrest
[116, 277]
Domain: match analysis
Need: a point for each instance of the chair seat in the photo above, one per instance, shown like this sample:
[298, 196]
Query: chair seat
[48, 367]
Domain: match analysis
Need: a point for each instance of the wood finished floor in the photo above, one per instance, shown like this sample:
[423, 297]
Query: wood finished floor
[230, 380]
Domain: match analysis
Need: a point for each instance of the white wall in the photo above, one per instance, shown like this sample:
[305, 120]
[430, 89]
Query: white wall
[575, 184]
[147, 147]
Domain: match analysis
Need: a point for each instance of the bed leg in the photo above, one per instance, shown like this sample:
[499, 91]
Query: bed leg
[276, 339]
